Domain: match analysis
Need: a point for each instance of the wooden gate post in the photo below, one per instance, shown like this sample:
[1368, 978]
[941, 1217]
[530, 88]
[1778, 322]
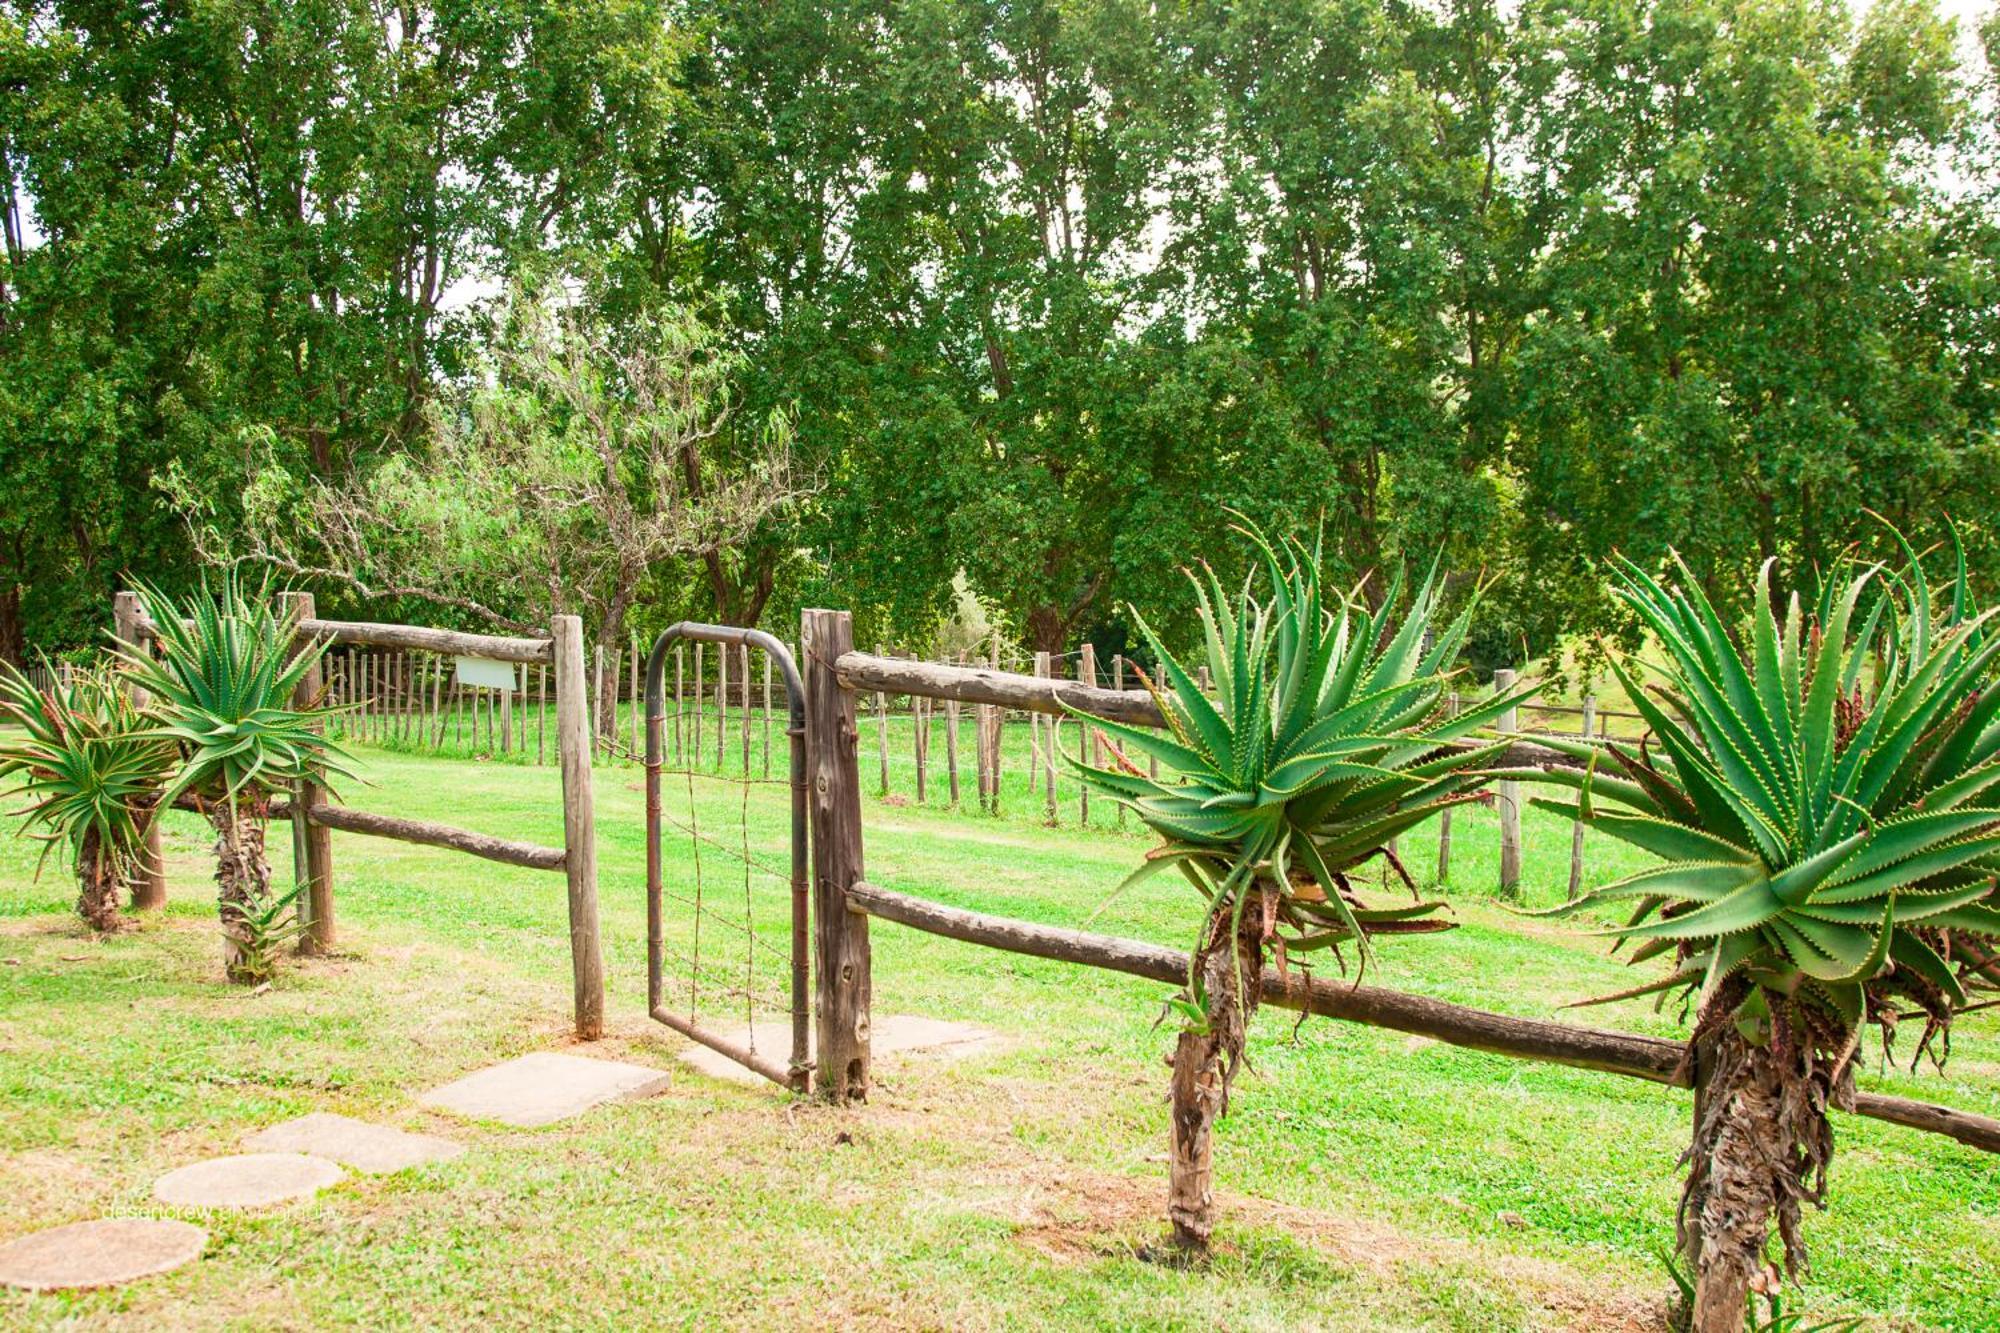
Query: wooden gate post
[840, 936]
[1507, 798]
[574, 743]
[312, 844]
[149, 887]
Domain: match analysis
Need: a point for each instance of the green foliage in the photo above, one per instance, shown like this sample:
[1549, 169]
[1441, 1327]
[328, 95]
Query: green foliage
[1327, 736]
[222, 691]
[85, 762]
[1819, 791]
[262, 931]
[1048, 285]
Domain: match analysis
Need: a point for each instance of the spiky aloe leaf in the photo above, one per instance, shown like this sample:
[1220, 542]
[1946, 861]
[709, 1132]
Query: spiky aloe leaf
[1814, 796]
[222, 687]
[84, 763]
[1325, 736]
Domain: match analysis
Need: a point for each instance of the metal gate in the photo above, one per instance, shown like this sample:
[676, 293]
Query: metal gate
[796, 1072]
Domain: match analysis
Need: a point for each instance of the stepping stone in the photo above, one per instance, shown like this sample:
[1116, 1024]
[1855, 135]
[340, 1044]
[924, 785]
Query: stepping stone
[251, 1180]
[107, 1253]
[354, 1143]
[891, 1033]
[544, 1087]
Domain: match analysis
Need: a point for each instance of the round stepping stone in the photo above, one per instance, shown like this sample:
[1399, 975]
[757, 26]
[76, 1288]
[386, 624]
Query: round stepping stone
[106, 1253]
[251, 1180]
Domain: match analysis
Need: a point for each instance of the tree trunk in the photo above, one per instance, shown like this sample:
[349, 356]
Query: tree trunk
[13, 637]
[97, 882]
[1205, 1064]
[1761, 1146]
[610, 642]
[1046, 630]
[243, 884]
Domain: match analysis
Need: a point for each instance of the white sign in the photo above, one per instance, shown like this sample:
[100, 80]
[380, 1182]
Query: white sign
[484, 671]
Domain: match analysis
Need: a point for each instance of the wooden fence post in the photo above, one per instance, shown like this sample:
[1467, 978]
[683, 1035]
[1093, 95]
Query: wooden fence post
[1576, 831]
[1444, 819]
[721, 701]
[882, 728]
[541, 714]
[680, 706]
[312, 844]
[503, 711]
[1041, 766]
[635, 707]
[994, 719]
[574, 743]
[149, 886]
[1117, 683]
[743, 711]
[695, 733]
[1040, 668]
[596, 715]
[767, 715]
[840, 936]
[1507, 799]
[1086, 673]
[951, 707]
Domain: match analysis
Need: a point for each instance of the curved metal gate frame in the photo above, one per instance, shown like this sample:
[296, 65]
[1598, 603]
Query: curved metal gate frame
[797, 1072]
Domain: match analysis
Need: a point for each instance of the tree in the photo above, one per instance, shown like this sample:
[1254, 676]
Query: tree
[1818, 788]
[91, 776]
[1327, 737]
[1754, 312]
[96, 390]
[222, 693]
[579, 469]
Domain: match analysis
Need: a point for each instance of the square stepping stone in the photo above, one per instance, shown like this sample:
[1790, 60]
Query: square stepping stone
[354, 1143]
[249, 1180]
[544, 1087]
[890, 1034]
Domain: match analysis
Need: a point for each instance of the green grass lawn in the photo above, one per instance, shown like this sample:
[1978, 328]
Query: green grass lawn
[1370, 1180]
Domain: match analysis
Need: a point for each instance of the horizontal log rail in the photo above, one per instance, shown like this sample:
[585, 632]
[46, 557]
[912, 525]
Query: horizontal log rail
[502, 648]
[372, 634]
[1651, 1058]
[532, 856]
[867, 672]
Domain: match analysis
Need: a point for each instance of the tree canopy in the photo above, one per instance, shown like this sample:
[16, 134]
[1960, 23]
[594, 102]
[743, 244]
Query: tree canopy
[1046, 287]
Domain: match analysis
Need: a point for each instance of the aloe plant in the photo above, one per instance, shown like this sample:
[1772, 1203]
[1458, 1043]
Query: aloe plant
[1820, 790]
[1327, 737]
[90, 775]
[222, 690]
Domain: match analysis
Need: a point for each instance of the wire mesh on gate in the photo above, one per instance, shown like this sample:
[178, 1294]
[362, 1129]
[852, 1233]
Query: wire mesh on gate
[727, 920]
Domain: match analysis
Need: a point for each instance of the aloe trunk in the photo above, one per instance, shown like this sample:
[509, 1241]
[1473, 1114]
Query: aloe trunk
[1205, 1064]
[1761, 1146]
[97, 884]
[243, 885]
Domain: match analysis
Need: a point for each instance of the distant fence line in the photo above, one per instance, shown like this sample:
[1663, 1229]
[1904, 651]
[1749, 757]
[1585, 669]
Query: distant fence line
[723, 715]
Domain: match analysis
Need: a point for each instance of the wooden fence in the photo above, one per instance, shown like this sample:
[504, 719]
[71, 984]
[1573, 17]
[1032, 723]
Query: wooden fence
[845, 902]
[402, 655]
[837, 678]
[405, 693]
